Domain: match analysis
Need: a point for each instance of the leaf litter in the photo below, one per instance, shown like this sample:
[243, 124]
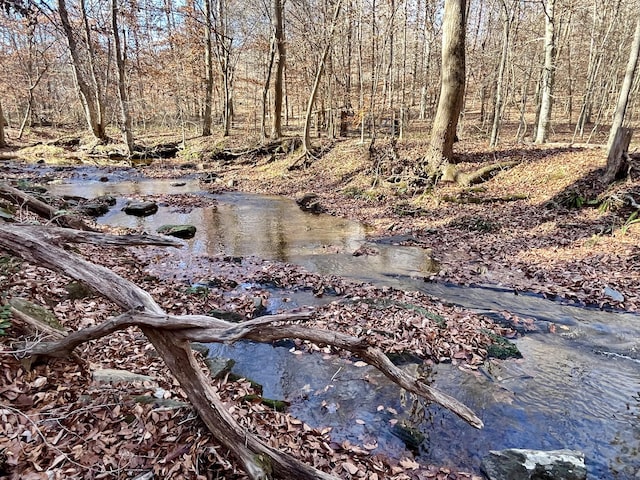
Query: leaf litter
[56, 421]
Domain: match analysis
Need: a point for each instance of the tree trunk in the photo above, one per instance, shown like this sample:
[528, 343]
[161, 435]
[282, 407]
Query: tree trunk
[265, 90]
[278, 13]
[497, 107]
[208, 66]
[618, 158]
[88, 97]
[623, 100]
[548, 74]
[125, 116]
[3, 141]
[452, 84]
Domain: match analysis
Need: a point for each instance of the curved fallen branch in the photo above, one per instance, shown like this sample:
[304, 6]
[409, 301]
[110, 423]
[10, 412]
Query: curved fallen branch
[170, 335]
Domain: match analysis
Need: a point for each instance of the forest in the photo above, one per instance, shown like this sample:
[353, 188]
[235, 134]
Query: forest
[319, 239]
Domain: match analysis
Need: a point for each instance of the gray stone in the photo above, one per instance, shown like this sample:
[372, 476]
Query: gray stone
[179, 231]
[219, 366]
[112, 375]
[200, 348]
[94, 208]
[140, 209]
[613, 294]
[517, 464]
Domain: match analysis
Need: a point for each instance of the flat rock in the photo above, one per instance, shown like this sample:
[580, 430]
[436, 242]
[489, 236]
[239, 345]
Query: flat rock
[140, 209]
[179, 231]
[517, 464]
[112, 375]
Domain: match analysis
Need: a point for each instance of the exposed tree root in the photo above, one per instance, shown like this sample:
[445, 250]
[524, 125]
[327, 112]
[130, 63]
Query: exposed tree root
[170, 335]
[451, 174]
[308, 157]
[282, 145]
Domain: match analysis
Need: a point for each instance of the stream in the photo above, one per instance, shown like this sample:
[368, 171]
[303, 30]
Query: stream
[577, 389]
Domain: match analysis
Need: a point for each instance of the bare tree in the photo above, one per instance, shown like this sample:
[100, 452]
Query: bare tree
[90, 96]
[278, 16]
[224, 52]
[548, 72]
[314, 90]
[208, 66]
[452, 83]
[125, 116]
[625, 90]
[507, 18]
[619, 138]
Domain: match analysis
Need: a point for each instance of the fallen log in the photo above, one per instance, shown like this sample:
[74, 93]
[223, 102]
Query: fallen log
[171, 337]
[42, 209]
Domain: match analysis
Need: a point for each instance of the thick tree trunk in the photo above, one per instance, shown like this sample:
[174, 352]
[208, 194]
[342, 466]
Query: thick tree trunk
[265, 90]
[88, 97]
[278, 13]
[452, 84]
[548, 73]
[625, 90]
[123, 96]
[618, 157]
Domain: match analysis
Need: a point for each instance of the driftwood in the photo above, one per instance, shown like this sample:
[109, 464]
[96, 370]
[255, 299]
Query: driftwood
[170, 335]
[42, 209]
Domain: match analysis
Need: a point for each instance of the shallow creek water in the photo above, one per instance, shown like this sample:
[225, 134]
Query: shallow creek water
[577, 389]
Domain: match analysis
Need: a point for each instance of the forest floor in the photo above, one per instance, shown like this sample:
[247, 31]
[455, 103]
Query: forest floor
[531, 228]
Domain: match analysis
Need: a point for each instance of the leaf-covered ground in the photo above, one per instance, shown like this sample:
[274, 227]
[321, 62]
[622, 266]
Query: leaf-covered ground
[530, 228]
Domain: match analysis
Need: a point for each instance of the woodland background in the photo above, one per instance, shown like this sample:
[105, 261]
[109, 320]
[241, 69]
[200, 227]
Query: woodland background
[382, 65]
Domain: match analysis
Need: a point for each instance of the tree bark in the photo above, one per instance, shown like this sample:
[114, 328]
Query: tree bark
[623, 99]
[548, 73]
[208, 66]
[278, 14]
[452, 85]
[265, 89]
[618, 158]
[40, 246]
